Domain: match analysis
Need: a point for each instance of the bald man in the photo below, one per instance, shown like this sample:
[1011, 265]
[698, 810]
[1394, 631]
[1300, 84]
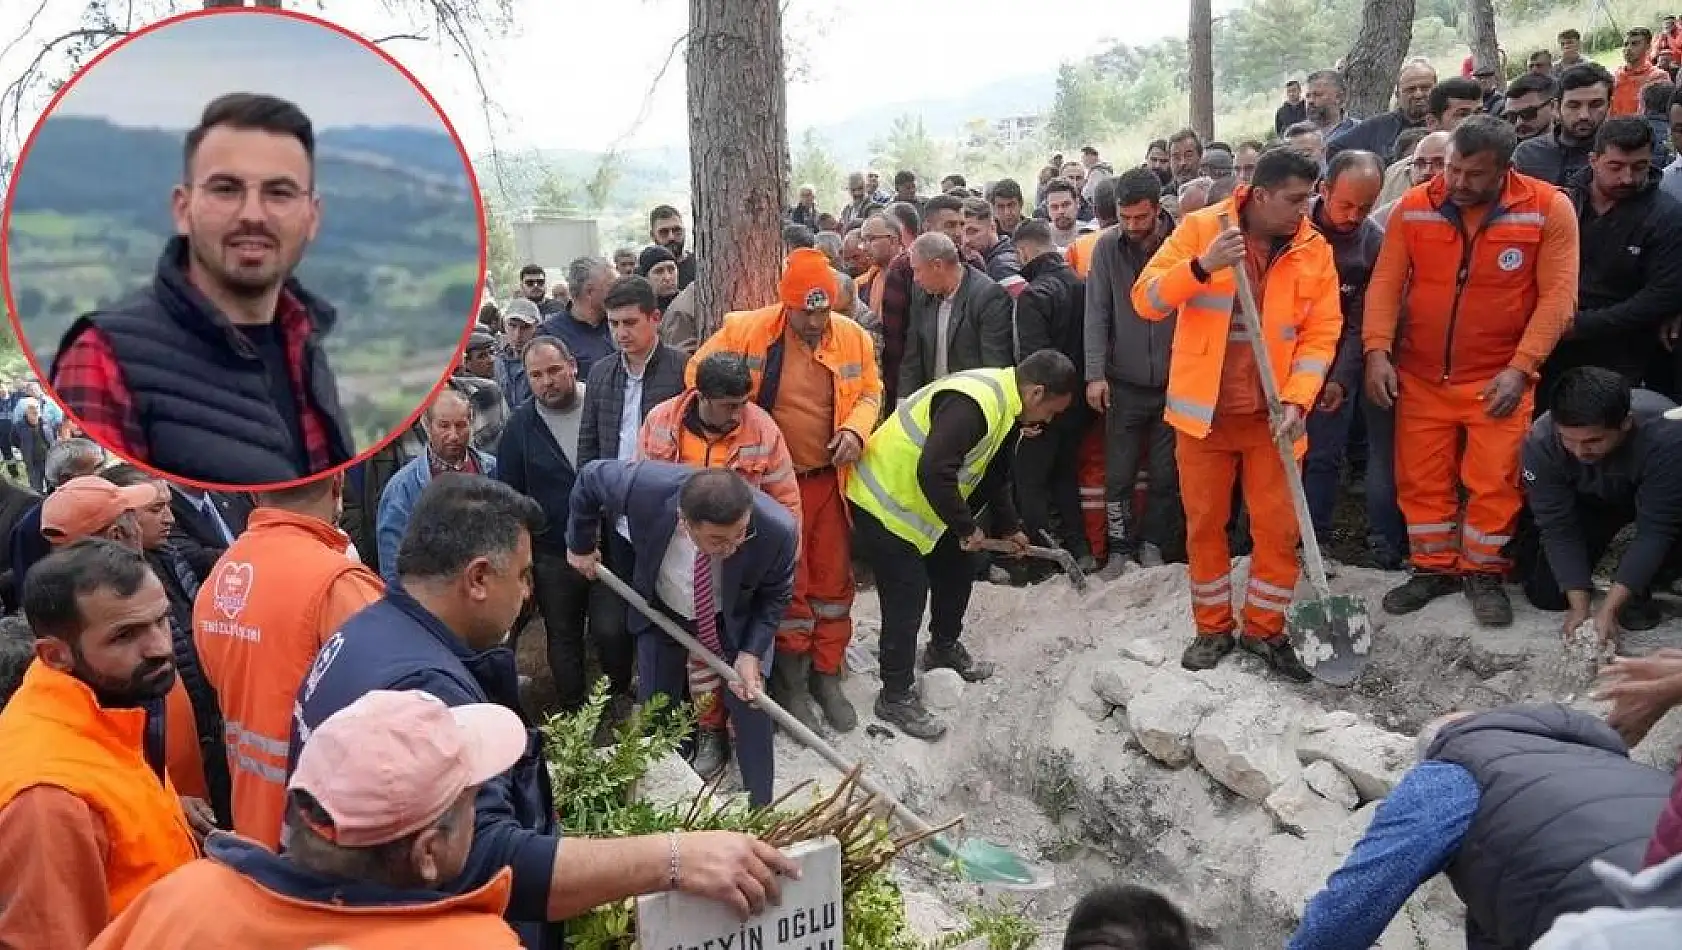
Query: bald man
[959, 317]
[1378, 133]
[1426, 162]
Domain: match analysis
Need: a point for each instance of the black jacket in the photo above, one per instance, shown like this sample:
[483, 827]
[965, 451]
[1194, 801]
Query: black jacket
[530, 461]
[1051, 310]
[1630, 281]
[182, 587]
[1001, 260]
[1642, 478]
[978, 333]
[15, 503]
[604, 397]
[1289, 114]
[1121, 345]
[1551, 158]
[1376, 134]
[1558, 790]
[1355, 253]
[201, 388]
[196, 538]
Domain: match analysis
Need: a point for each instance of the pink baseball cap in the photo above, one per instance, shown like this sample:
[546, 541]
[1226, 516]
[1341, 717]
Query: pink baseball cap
[392, 763]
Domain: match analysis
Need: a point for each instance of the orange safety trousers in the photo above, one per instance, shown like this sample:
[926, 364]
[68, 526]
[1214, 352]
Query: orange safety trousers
[820, 620]
[1238, 448]
[1446, 439]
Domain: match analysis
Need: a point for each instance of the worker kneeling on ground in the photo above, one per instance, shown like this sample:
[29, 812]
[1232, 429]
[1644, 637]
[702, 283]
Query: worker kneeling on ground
[1215, 400]
[1602, 458]
[914, 523]
[379, 819]
[1484, 262]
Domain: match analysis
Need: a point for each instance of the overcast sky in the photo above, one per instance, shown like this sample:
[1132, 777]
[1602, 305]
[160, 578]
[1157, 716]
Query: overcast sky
[576, 74]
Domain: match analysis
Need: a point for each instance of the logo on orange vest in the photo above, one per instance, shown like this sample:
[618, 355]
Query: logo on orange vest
[233, 588]
[817, 299]
[1511, 259]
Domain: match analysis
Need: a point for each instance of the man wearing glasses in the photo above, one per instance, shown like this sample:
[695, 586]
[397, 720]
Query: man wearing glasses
[534, 286]
[1530, 106]
[216, 372]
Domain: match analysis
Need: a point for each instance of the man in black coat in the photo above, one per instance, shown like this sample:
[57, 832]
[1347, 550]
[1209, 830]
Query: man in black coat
[206, 524]
[959, 317]
[1631, 277]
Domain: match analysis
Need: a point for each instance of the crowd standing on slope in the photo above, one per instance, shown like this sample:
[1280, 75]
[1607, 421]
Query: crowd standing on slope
[301, 707]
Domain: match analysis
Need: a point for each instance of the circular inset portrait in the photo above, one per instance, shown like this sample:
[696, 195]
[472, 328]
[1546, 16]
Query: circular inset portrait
[242, 249]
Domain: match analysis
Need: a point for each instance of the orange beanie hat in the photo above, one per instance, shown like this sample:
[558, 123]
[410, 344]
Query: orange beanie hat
[808, 281]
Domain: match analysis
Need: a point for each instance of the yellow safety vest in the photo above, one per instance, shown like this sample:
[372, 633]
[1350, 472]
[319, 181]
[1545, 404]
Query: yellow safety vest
[885, 481]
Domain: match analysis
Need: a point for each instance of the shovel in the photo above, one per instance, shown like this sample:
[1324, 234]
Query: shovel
[980, 862]
[1332, 634]
[1062, 558]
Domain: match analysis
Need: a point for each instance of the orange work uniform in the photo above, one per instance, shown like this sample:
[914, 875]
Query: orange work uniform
[1628, 83]
[57, 737]
[1079, 254]
[755, 449]
[1219, 412]
[1485, 289]
[813, 393]
[280, 592]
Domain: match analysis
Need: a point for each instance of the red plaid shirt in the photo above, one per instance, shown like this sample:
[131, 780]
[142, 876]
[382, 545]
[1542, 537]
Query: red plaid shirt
[89, 384]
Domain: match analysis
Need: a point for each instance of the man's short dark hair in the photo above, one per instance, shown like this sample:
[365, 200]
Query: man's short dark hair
[1304, 127]
[955, 181]
[1481, 134]
[1292, 82]
[1136, 185]
[1329, 75]
[1128, 918]
[723, 375]
[1088, 150]
[1061, 184]
[559, 344]
[1350, 159]
[1187, 133]
[1586, 397]
[1005, 189]
[1625, 133]
[533, 269]
[1454, 87]
[1569, 35]
[1103, 201]
[1656, 96]
[1051, 369]
[975, 209]
[1528, 83]
[904, 178]
[125, 475]
[251, 111]
[942, 203]
[1640, 31]
[661, 213]
[56, 583]
[1035, 230]
[1218, 146]
[632, 291]
[1157, 145]
[1584, 75]
[717, 496]
[907, 215]
[1406, 143]
[798, 235]
[1252, 145]
[1276, 166]
[461, 518]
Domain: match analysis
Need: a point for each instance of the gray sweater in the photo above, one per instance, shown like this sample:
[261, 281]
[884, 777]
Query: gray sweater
[1121, 345]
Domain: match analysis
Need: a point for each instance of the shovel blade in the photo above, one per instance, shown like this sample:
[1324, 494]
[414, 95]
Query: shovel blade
[1332, 636]
[985, 863]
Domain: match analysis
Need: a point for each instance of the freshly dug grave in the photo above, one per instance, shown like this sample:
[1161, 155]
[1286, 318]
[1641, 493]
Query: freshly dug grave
[1231, 791]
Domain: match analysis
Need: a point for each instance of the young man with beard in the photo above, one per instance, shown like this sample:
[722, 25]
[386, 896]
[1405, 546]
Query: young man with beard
[217, 371]
[998, 251]
[1126, 371]
[1006, 198]
[448, 422]
[665, 229]
[1585, 96]
[1530, 105]
[88, 816]
[1062, 205]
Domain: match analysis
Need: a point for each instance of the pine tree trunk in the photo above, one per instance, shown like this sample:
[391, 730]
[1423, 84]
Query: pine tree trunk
[1373, 62]
[738, 151]
[1485, 48]
[1200, 42]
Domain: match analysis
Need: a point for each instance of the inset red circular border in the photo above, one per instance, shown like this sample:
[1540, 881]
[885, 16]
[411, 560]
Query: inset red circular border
[449, 127]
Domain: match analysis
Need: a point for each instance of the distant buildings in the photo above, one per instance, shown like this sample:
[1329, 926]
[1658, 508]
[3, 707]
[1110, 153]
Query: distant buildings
[1017, 129]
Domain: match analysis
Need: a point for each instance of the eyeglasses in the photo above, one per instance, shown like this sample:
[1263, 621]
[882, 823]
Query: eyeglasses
[278, 198]
[534, 282]
[1424, 163]
[1524, 115]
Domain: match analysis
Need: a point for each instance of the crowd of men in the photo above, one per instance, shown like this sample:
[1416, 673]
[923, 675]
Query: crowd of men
[1469, 305]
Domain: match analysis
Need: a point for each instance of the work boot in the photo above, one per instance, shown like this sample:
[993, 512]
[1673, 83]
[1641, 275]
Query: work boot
[1206, 651]
[1117, 565]
[1640, 613]
[1150, 555]
[1490, 604]
[953, 656]
[826, 690]
[790, 674]
[1419, 590]
[1279, 654]
[712, 752]
[907, 712]
[1087, 563]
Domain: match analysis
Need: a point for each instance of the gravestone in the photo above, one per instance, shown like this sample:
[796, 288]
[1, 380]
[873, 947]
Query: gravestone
[808, 917]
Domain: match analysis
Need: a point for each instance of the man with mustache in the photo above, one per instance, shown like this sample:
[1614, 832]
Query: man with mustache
[1631, 277]
[88, 816]
[1585, 97]
[665, 229]
[216, 372]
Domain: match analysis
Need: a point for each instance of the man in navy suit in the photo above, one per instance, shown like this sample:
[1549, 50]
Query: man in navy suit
[713, 554]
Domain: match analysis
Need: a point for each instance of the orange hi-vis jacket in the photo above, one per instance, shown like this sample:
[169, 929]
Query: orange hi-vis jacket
[1470, 299]
[754, 449]
[1301, 317]
[54, 732]
[258, 622]
[1079, 254]
[208, 904]
[846, 350]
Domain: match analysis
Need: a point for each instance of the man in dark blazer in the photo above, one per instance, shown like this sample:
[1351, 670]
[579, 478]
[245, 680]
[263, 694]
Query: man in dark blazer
[693, 529]
[206, 523]
[951, 296]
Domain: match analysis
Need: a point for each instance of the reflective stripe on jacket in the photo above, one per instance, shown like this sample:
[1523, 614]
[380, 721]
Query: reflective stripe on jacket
[1301, 317]
[885, 483]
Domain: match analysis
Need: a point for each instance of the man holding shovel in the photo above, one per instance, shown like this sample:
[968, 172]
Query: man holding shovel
[1216, 401]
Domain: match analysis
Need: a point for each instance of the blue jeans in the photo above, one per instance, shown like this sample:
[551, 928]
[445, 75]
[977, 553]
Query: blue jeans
[1328, 434]
[1385, 527]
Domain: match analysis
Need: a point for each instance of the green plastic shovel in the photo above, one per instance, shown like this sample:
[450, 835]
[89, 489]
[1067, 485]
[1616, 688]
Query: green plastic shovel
[979, 862]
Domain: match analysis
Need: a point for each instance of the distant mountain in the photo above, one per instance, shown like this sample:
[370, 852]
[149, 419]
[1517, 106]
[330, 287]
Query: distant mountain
[944, 118]
[397, 253]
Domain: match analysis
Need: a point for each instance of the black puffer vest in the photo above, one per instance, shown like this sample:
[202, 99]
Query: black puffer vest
[1558, 791]
[200, 387]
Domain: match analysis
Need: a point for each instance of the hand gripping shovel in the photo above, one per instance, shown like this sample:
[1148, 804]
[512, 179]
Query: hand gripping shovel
[1060, 557]
[980, 862]
[1332, 634]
